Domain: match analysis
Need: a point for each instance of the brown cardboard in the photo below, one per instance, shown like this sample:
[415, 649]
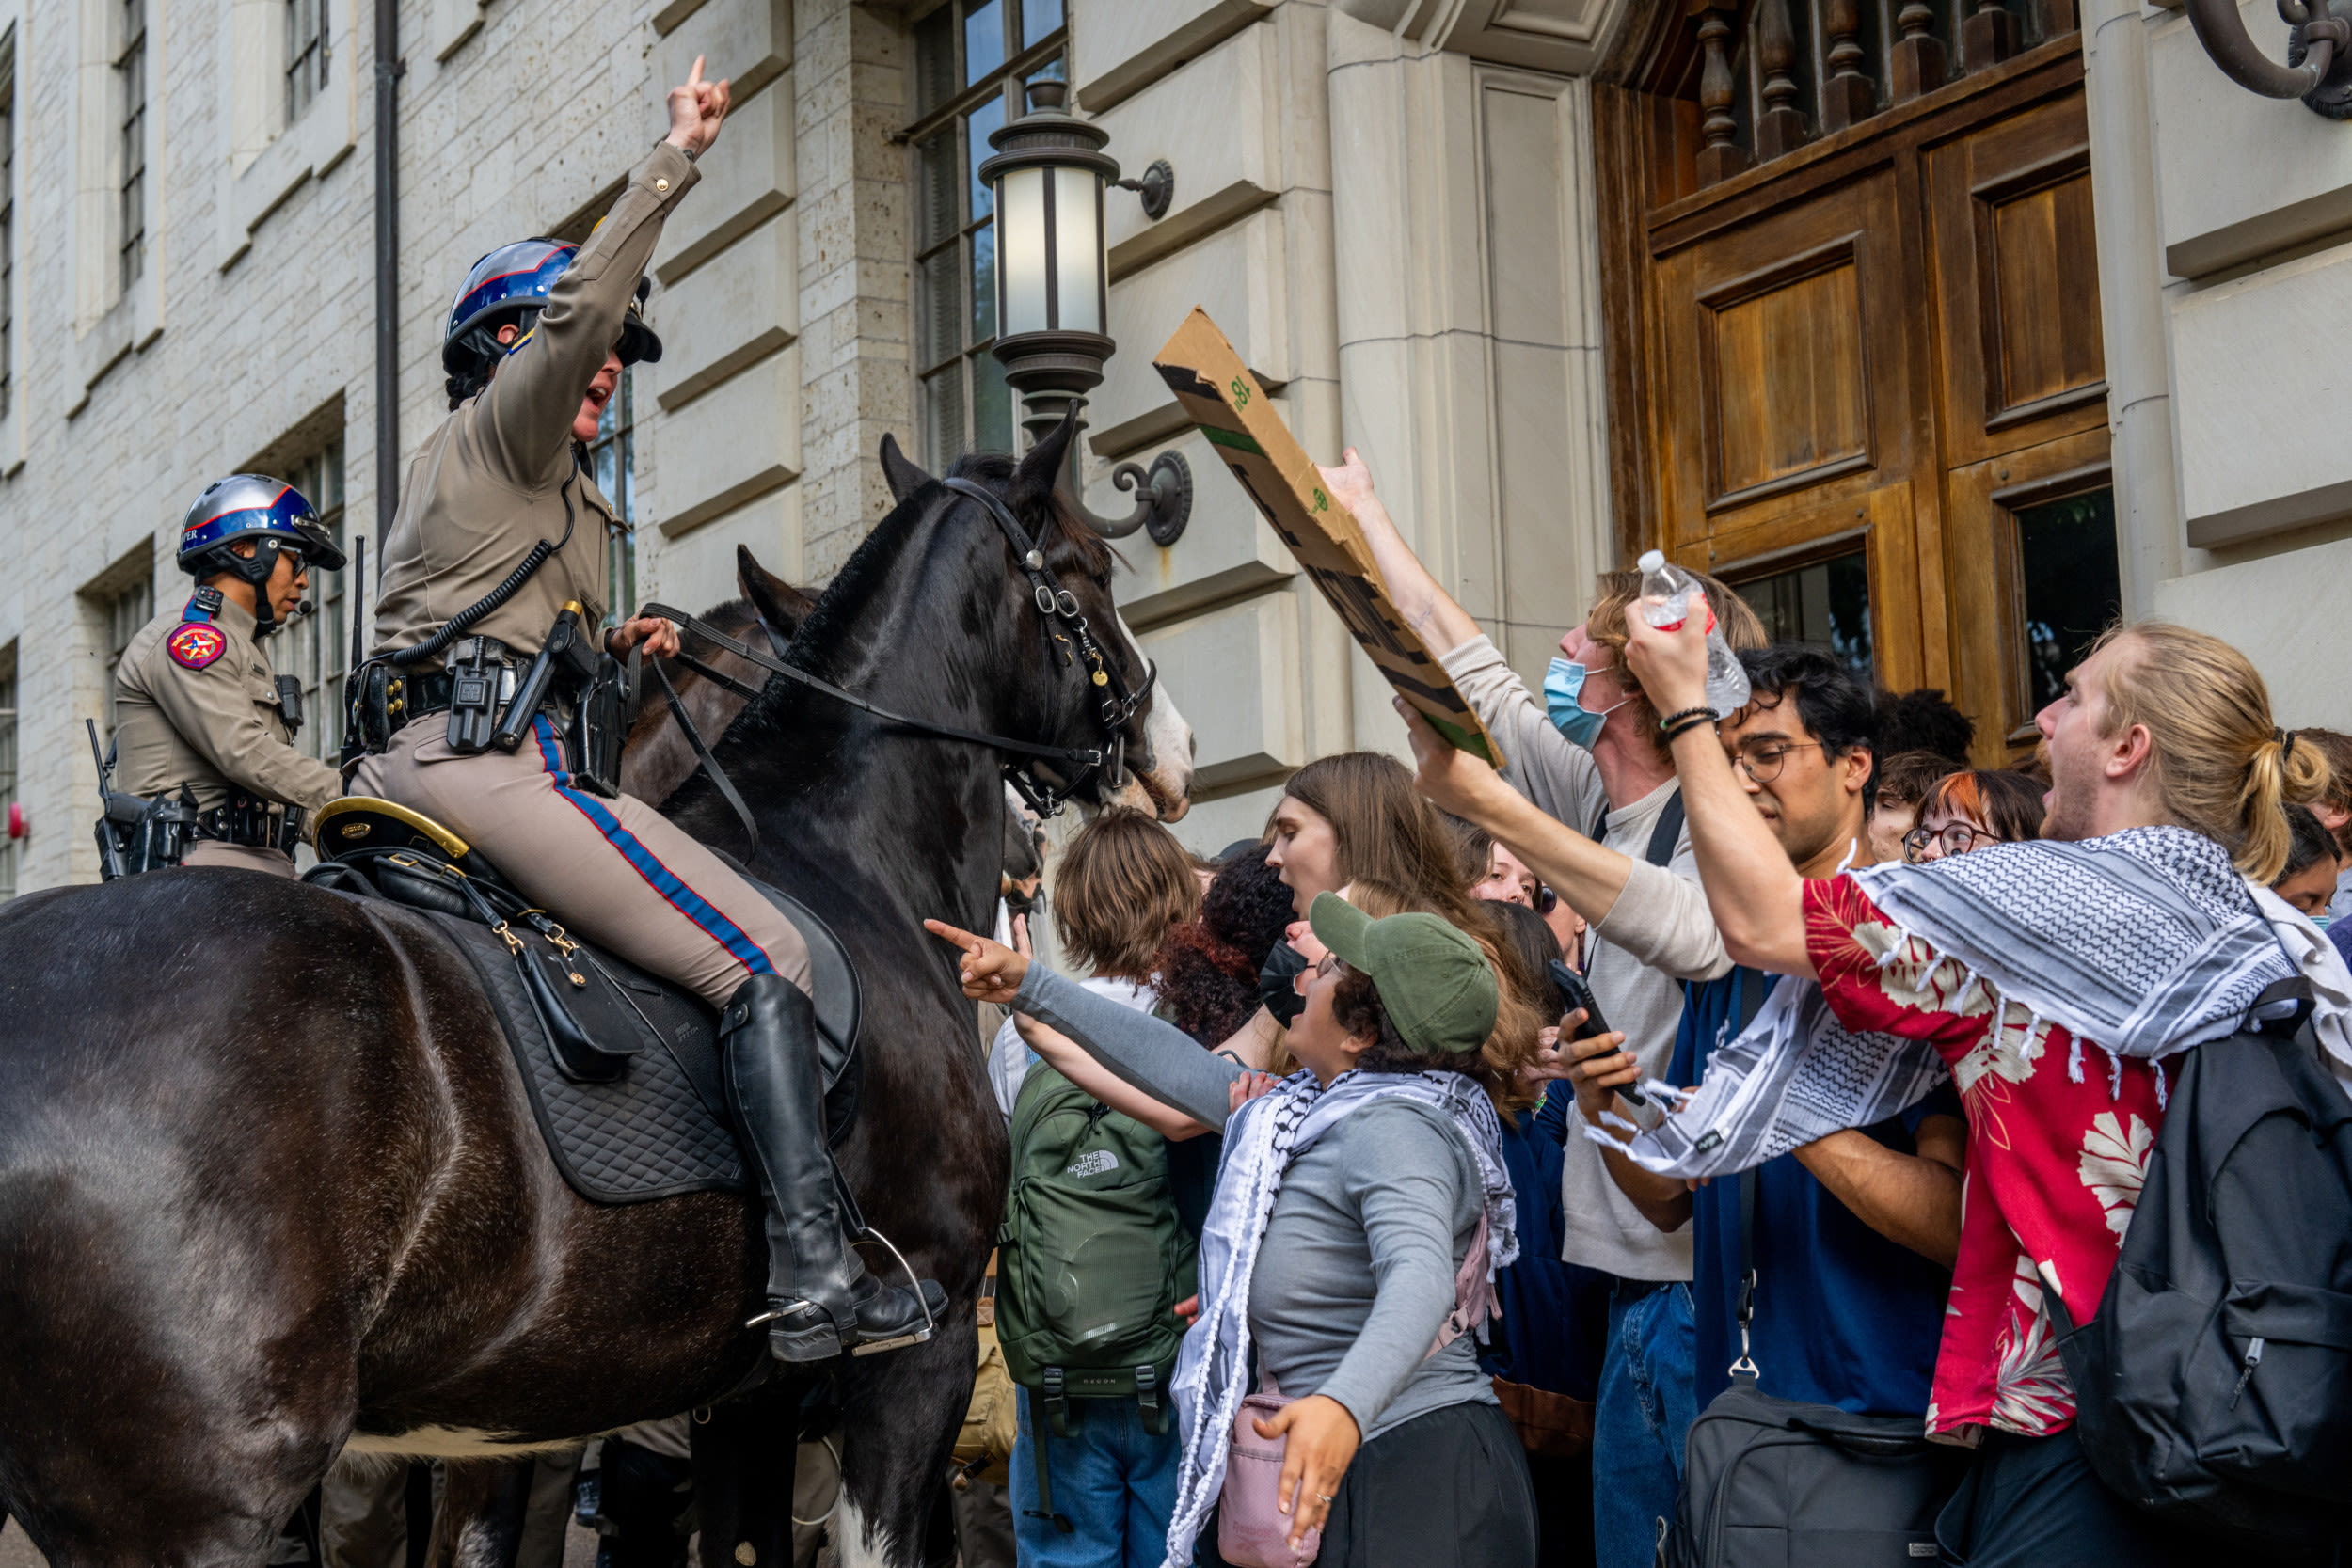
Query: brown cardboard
[1219, 395]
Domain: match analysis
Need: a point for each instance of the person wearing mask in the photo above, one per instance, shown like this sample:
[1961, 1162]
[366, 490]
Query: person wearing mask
[1349, 1199]
[1589, 754]
[501, 538]
[1854, 1233]
[2025, 972]
[198, 708]
[1969, 810]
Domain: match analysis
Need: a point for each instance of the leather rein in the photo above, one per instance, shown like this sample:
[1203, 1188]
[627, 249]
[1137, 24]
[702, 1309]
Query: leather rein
[1056, 604]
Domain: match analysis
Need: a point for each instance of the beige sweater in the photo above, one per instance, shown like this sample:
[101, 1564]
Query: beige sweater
[1658, 935]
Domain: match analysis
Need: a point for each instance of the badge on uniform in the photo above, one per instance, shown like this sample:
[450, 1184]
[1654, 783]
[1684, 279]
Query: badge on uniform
[194, 645]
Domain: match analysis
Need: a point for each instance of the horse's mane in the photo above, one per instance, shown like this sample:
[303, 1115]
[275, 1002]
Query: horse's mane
[1069, 547]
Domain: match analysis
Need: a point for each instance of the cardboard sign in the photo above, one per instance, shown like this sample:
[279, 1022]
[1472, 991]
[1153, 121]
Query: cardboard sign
[1219, 395]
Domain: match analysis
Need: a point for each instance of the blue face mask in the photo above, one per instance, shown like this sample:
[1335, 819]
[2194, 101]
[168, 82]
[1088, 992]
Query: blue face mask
[1561, 684]
[2323, 921]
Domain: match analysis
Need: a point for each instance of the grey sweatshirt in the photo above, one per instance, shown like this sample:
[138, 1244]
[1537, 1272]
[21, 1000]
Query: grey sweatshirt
[1356, 1274]
[1659, 933]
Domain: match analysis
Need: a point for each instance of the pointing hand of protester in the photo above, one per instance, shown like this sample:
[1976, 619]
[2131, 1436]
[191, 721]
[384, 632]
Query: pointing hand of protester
[1453, 778]
[696, 107]
[990, 971]
[1671, 665]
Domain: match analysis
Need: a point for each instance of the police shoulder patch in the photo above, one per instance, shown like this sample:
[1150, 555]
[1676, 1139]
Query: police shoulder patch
[194, 645]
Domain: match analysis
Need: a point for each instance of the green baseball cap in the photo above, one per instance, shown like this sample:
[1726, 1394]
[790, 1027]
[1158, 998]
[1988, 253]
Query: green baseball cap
[1434, 981]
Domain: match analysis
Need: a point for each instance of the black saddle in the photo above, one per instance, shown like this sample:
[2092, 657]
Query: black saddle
[623, 1068]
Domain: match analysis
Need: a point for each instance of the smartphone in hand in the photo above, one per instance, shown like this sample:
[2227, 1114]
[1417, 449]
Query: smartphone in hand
[1572, 985]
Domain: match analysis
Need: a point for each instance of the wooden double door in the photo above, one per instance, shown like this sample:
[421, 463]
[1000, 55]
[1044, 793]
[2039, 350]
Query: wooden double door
[1862, 379]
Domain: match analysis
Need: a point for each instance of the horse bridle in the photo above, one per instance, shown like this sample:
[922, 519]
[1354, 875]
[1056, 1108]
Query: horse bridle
[1116, 708]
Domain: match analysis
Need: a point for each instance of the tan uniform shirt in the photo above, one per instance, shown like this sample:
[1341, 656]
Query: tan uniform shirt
[496, 477]
[195, 702]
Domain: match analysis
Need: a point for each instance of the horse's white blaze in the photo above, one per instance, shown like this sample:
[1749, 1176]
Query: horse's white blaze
[1171, 741]
[455, 1442]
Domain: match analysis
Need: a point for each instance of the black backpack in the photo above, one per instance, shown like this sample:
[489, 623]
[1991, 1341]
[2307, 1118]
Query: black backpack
[2214, 1388]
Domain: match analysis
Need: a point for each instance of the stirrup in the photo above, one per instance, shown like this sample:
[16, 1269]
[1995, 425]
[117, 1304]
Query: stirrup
[930, 1324]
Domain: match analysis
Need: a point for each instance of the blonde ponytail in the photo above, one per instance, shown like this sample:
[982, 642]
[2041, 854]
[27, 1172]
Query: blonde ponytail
[2220, 767]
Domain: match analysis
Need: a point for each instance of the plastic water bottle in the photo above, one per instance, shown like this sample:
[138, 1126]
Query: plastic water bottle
[1666, 590]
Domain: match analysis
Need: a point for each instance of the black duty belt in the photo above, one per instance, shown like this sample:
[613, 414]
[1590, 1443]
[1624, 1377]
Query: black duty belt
[252, 824]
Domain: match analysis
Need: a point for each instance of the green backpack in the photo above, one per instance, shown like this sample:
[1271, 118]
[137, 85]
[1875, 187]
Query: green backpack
[1091, 1260]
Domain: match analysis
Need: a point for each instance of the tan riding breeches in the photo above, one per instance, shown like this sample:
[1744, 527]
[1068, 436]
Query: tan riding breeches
[616, 872]
[238, 857]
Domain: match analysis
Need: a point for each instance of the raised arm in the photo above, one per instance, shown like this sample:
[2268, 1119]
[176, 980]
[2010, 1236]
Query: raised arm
[1441, 623]
[1065, 1057]
[1758, 896]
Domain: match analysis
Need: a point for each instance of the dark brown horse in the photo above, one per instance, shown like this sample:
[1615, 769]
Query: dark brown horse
[269, 1184]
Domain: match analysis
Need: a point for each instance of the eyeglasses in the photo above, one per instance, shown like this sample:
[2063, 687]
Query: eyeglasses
[1953, 838]
[1764, 760]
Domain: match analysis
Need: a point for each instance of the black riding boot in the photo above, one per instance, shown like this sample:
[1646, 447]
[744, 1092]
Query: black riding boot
[821, 1301]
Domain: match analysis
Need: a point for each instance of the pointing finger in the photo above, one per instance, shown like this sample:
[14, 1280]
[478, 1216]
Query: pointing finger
[694, 77]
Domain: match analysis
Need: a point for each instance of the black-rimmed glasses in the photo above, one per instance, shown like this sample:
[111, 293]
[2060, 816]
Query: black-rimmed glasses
[1953, 838]
[1766, 758]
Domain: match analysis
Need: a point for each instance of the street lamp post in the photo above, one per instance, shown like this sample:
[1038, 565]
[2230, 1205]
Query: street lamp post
[1052, 294]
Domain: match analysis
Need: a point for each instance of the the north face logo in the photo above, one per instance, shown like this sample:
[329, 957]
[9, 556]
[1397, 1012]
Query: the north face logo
[1099, 1161]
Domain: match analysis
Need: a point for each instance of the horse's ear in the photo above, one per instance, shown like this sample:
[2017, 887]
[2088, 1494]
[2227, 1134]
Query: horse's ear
[899, 471]
[1033, 480]
[779, 603]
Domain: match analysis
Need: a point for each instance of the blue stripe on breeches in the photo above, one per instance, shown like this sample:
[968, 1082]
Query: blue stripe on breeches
[684, 899]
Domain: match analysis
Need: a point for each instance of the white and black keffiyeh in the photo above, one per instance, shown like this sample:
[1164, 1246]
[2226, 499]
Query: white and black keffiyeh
[1261, 1141]
[2142, 944]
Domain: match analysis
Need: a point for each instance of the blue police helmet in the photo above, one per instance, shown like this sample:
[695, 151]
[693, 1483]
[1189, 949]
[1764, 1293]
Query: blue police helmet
[513, 283]
[268, 511]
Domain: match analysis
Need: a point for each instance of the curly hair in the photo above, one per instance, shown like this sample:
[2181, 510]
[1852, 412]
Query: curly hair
[1207, 969]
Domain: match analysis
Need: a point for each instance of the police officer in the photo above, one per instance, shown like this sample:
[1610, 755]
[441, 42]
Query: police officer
[196, 705]
[536, 344]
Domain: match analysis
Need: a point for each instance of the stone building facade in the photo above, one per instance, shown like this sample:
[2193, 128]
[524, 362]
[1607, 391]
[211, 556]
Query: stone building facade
[1392, 220]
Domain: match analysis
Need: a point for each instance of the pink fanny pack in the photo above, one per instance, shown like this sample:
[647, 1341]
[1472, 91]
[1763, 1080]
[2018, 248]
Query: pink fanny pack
[1252, 1532]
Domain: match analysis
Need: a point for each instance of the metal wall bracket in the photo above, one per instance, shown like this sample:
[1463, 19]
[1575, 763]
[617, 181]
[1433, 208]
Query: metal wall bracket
[2319, 52]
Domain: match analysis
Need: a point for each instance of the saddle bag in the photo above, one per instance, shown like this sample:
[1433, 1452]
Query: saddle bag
[562, 978]
[2214, 1388]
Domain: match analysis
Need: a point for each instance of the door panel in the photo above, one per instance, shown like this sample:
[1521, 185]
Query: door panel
[2017, 291]
[1988, 630]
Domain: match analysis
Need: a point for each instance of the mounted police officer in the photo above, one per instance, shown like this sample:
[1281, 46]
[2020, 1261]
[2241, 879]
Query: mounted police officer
[203, 727]
[495, 572]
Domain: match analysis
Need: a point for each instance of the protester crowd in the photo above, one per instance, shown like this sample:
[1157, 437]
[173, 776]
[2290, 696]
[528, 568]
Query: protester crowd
[1495, 1132]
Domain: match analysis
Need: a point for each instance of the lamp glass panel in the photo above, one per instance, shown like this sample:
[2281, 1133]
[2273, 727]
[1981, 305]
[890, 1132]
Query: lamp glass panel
[1020, 252]
[1078, 261]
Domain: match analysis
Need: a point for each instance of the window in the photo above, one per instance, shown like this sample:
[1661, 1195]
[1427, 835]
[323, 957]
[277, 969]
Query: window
[305, 54]
[127, 610]
[7, 226]
[971, 59]
[2070, 587]
[318, 645]
[1826, 603]
[131, 74]
[612, 459]
[8, 768]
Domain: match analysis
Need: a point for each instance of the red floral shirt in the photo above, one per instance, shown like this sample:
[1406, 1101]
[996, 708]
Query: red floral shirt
[2054, 1165]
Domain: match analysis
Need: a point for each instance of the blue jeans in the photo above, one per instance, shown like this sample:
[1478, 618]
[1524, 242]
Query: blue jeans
[1110, 1478]
[1643, 1416]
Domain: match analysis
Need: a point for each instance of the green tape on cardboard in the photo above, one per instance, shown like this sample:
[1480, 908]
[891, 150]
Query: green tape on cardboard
[1460, 738]
[1232, 438]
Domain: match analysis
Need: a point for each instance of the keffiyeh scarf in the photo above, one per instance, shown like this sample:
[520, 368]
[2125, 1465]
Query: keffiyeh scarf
[1261, 1141]
[2142, 944]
